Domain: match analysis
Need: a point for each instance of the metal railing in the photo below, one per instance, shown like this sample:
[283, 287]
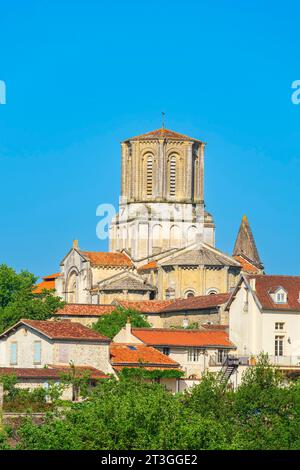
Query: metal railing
[276, 360]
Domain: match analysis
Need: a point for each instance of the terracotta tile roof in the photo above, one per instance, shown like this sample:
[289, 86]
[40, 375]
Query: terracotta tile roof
[265, 284]
[51, 372]
[62, 330]
[172, 337]
[209, 326]
[48, 283]
[148, 266]
[145, 306]
[246, 265]
[44, 285]
[99, 258]
[133, 355]
[82, 310]
[50, 277]
[163, 133]
[200, 302]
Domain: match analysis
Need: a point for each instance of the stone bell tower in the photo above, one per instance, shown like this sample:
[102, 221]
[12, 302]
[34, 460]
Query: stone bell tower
[162, 197]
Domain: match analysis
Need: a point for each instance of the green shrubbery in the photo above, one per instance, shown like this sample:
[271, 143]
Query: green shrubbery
[264, 413]
[109, 325]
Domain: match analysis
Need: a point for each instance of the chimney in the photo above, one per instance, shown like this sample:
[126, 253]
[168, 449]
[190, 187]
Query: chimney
[128, 334]
[75, 244]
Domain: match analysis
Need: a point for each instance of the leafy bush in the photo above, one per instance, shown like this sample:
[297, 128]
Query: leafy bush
[109, 325]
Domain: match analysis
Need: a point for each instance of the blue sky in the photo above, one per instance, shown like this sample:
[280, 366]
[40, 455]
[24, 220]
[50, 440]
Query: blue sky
[83, 75]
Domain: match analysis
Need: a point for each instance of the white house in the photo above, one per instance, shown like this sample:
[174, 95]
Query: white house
[264, 316]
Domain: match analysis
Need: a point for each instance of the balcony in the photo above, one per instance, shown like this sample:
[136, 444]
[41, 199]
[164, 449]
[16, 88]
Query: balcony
[281, 361]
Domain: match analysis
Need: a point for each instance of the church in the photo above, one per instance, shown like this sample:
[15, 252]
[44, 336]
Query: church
[162, 241]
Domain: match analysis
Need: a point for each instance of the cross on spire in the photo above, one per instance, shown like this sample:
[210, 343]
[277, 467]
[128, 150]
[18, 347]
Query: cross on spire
[163, 119]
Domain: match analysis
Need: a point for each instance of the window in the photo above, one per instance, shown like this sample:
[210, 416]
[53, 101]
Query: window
[279, 345]
[189, 293]
[149, 175]
[279, 326]
[193, 355]
[14, 353]
[222, 354]
[211, 291]
[280, 297]
[37, 350]
[185, 322]
[166, 351]
[172, 176]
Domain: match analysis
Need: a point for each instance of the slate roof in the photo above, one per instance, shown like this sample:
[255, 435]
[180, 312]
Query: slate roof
[181, 338]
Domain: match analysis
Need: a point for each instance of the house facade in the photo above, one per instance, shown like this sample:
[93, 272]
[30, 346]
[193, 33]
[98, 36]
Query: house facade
[196, 351]
[264, 313]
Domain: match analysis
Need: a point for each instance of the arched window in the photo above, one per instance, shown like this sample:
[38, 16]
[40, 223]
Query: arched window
[149, 175]
[189, 293]
[212, 291]
[172, 181]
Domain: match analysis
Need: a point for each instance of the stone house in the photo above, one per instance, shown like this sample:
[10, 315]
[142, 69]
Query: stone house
[136, 356]
[196, 351]
[34, 344]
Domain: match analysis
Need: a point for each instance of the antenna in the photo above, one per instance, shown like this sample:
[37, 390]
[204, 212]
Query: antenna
[163, 119]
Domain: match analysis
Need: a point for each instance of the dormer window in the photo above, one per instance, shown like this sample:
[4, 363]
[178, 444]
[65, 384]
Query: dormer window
[279, 295]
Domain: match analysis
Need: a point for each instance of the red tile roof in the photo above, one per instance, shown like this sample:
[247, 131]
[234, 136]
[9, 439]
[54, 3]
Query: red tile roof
[62, 330]
[85, 310]
[44, 285]
[265, 284]
[172, 337]
[246, 265]
[148, 266]
[48, 283]
[198, 303]
[51, 372]
[50, 277]
[133, 355]
[107, 259]
[146, 306]
[162, 134]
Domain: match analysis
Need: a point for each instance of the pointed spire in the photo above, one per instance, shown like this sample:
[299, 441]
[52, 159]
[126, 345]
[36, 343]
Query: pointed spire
[245, 243]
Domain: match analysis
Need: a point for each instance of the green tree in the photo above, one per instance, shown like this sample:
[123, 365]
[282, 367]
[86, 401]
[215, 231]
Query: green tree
[109, 325]
[17, 299]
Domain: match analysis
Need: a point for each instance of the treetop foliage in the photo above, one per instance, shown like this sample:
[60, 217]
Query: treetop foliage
[17, 299]
[109, 325]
